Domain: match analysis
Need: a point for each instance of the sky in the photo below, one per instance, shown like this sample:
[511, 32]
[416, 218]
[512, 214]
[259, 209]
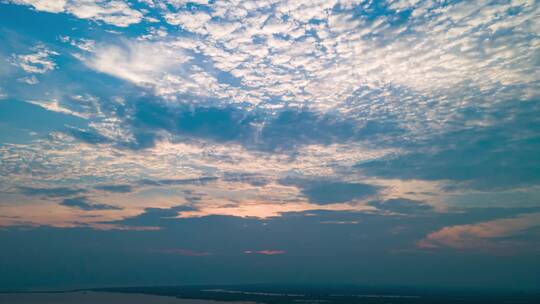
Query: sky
[379, 143]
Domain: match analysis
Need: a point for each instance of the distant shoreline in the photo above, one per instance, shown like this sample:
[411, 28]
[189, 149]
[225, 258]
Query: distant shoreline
[91, 297]
[266, 294]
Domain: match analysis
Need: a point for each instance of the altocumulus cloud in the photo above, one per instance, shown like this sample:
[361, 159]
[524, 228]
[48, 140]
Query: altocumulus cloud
[115, 188]
[502, 155]
[331, 192]
[83, 203]
[116, 12]
[261, 130]
[50, 192]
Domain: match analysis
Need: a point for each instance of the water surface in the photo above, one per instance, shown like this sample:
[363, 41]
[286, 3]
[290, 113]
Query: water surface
[93, 298]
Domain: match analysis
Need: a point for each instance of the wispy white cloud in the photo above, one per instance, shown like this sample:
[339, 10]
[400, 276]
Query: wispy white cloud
[54, 105]
[38, 62]
[29, 80]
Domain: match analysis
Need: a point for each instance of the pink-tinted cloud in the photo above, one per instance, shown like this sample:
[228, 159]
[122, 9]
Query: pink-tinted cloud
[265, 252]
[481, 236]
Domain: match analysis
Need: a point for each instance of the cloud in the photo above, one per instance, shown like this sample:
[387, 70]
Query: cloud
[50, 192]
[323, 54]
[219, 124]
[402, 206]
[265, 252]
[312, 250]
[51, 6]
[500, 155]
[88, 136]
[39, 62]
[82, 203]
[290, 129]
[21, 118]
[138, 62]
[156, 217]
[284, 131]
[172, 182]
[115, 188]
[191, 21]
[115, 12]
[494, 235]
[332, 192]
[31, 80]
[337, 192]
[420, 96]
[248, 178]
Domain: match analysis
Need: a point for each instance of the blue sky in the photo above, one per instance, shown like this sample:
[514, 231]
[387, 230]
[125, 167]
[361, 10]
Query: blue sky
[368, 142]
